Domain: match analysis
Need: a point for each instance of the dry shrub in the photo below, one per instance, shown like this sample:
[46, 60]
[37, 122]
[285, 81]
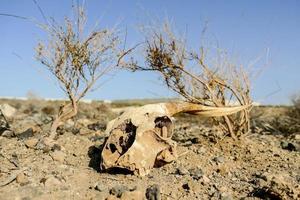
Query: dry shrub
[204, 77]
[296, 107]
[77, 58]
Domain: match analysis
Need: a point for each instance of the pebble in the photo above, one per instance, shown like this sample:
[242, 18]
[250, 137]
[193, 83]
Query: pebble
[201, 150]
[288, 146]
[8, 133]
[196, 173]
[153, 192]
[31, 143]
[22, 179]
[118, 190]
[219, 159]
[51, 182]
[99, 187]
[58, 156]
[205, 179]
[182, 171]
[98, 126]
[8, 110]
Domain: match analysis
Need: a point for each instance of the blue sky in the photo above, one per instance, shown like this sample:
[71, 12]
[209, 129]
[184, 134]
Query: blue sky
[245, 28]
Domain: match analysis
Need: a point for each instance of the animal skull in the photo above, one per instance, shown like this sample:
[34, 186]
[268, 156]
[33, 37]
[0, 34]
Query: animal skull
[140, 138]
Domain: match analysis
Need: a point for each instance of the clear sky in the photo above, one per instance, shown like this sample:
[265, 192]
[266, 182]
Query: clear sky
[245, 28]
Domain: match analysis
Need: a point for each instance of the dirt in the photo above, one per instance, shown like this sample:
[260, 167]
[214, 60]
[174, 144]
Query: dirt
[262, 165]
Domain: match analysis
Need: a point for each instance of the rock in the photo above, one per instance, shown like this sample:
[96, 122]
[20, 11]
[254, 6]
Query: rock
[186, 186]
[99, 187]
[201, 150]
[226, 196]
[182, 171]
[196, 173]
[219, 159]
[8, 133]
[4, 126]
[52, 182]
[153, 192]
[205, 179]
[132, 195]
[98, 126]
[29, 132]
[118, 190]
[31, 143]
[195, 140]
[288, 146]
[7, 110]
[22, 179]
[58, 156]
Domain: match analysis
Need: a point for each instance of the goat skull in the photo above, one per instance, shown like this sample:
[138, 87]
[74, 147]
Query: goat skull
[140, 138]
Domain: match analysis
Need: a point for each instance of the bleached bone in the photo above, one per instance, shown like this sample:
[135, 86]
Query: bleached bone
[140, 138]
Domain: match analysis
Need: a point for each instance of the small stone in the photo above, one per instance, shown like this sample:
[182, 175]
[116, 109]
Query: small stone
[22, 179]
[52, 182]
[58, 156]
[182, 171]
[8, 133]
[297, 137]
[31, 143]
[26, 134]
[98, 126]
[205, 179]
[153, 192]
[8, 110]
[226, 196]
[201, 150]
[288, 146]
[186, 186]
[195, 140]
[219, 159]
[118, 190]
[196, 173]
[99, 187]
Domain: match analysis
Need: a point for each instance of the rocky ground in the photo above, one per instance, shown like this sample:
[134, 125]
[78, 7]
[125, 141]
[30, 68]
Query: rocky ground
[262, 165]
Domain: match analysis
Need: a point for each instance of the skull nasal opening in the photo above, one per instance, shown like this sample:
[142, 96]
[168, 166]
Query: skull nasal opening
[124, 136]
[129, 136]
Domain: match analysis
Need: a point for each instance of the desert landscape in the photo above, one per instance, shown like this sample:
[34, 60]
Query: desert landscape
[265, 164]
[149, 100]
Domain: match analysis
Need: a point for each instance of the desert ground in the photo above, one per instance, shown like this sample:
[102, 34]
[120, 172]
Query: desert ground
[265, 164]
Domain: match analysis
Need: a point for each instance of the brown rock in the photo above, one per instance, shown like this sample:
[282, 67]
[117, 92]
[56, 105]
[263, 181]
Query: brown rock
[31, 143]
[22, 179]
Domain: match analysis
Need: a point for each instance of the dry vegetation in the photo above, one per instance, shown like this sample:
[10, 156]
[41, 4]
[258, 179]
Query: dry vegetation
[77, 59]
[198, 77]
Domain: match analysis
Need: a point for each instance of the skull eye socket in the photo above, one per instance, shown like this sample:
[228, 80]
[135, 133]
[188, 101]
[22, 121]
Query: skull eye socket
[164, 126]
